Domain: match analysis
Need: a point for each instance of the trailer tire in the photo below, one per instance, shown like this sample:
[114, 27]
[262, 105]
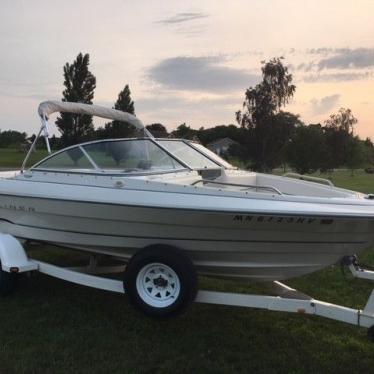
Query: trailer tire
[8, 282]
[160, 281]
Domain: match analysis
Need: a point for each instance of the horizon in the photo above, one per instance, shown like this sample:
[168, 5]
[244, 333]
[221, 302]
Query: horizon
[189, 62]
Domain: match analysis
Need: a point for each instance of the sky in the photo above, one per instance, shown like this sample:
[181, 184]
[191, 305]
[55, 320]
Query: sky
[189, 61]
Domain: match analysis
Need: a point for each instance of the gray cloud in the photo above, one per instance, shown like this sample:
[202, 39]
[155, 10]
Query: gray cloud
[305, 66]
[326, 51]
[200, 74]
[183, 17]
[354, 64]
[325, 104]
[337, 77]
[349, 58]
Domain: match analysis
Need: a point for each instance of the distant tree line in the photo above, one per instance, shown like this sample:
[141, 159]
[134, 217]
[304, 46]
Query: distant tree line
[12, 138]
[265, 136]
[306, 148]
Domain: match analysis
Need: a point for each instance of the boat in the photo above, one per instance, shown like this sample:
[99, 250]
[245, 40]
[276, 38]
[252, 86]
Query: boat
[118, 197]
[172, 209]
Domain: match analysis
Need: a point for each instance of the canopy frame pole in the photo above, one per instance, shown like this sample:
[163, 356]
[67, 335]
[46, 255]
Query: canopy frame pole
[33, 146]
[44, 130]
[46, 134]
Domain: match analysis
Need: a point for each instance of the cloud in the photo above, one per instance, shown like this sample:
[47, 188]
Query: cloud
[183, 18]
[349, 58]
[337, 77]
[186, 24]
[338, 64]
[306, 66]
[200, 74]
[326, 51]
[324, 105]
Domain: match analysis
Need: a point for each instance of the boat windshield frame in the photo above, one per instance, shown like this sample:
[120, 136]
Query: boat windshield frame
[96, 170]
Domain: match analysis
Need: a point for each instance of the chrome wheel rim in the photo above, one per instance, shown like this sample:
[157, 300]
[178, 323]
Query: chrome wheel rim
[158, 285]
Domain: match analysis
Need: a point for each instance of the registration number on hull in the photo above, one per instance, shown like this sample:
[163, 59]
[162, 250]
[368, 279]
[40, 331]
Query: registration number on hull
[21, 208]
[243, 218]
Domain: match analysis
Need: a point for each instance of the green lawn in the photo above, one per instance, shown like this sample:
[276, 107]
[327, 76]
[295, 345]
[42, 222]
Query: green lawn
[360, 181]
[10, 158]
[53, 326]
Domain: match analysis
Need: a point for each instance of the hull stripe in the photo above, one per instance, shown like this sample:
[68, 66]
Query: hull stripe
[190, 239]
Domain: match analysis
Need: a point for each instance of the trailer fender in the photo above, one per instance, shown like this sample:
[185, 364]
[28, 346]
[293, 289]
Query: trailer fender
[13, 256]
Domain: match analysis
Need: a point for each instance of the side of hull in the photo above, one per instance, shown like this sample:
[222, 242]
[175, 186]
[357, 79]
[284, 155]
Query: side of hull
[260, 247]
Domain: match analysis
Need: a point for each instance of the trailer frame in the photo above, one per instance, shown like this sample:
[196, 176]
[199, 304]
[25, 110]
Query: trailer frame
[14, 259]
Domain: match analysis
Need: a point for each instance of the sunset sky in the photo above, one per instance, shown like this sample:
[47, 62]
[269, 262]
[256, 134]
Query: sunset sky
[189, 61]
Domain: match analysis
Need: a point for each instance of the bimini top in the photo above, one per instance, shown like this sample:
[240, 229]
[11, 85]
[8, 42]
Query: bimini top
[47, 108]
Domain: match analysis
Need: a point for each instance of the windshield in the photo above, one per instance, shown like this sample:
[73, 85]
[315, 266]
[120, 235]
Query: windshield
[71, 159]
[189, 155]
[213, 156]
[123, 156]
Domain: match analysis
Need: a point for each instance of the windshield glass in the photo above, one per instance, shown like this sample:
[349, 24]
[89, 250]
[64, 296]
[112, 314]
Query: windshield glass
[124, 156]
[187, 154]
[71, 159]
[213, 156]
[130, 156]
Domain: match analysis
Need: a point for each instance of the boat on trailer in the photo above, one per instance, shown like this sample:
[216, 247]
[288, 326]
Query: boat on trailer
[172, 209]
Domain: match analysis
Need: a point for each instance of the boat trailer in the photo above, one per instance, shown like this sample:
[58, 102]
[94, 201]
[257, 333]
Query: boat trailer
[14, 260]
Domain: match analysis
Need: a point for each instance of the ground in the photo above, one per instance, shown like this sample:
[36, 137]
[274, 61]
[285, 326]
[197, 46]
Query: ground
[12, 158]
[53, 326]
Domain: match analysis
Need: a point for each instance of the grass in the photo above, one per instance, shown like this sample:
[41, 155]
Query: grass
[13, 158]
[56, 327]
[360, 181]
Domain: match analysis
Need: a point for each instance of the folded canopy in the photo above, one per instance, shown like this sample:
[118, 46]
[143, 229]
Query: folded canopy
[46, 108]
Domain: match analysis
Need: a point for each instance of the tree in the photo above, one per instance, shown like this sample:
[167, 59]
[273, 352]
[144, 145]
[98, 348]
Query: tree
[369, 151]
[262, 113]
[307, 152]
[266, 145]
[339, 130]
[218, 132]
[272, 139]
[12, 138]
[119, 129]
[79, 84]
[184, 131]
[344, 120]
[158, 130]
[356, 154]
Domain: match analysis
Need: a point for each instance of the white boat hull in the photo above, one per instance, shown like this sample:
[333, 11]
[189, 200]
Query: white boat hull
[246, 244]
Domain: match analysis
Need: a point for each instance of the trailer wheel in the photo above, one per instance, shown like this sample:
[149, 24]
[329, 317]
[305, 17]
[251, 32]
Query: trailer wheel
[8, 282]
[160, 281]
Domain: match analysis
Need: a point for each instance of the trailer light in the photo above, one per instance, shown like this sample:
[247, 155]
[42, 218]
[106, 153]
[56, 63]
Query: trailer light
[301, 311]
[14, 270]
